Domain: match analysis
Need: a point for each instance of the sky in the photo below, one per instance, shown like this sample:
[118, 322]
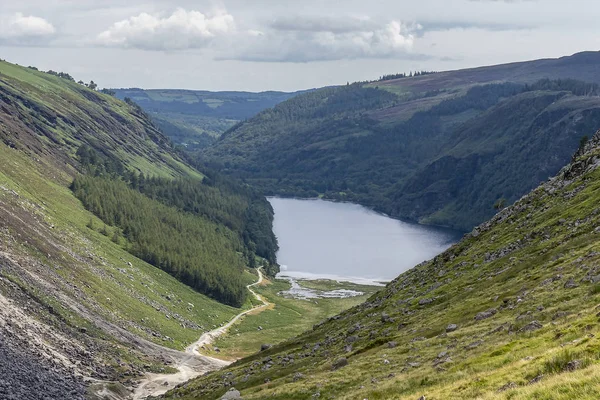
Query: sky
[288, 45]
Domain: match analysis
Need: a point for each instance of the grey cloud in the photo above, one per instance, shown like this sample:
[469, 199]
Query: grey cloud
[322, 24]
[488, 26]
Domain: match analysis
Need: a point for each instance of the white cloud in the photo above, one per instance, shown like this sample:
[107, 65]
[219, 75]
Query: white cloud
[319, 39]
[19, 29]
[179, 31]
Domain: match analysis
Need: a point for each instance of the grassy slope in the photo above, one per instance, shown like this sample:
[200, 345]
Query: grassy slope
[75, 276]
[287, 317]
[534, 264]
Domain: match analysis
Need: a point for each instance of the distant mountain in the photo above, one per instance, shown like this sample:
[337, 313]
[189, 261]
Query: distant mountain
[440, 148]
[196, 117]
[510, 312]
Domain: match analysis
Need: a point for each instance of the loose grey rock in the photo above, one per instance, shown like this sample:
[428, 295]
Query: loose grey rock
[265, 346]
[486, 314]
[424, 302]
[339, 363]
[508, 386]
[532, 326]
[351, 339]
[451, 328]
[570, 284]
[298, 376]
[232, 394]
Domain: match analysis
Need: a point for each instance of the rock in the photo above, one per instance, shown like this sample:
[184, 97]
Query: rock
[260, 328]
[451, 328]
[83, 330]
[442, 354]
[414, 364]
[351, 339]
[385, 317]
[508, 386]
[423, 302]
[485, 314]
[559, 314]
[392, 344]
[348, 348]
[422, 398]
[339, 363]
[570, 284]
[265, 346]
[474, 345]
[532, 326]
[298, 376]
[166, 383]
[535, 380]
[218, 350]
[573, 365]
[232, 394]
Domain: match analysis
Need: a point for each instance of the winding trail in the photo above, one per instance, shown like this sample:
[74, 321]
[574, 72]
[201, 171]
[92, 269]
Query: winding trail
[192, 363]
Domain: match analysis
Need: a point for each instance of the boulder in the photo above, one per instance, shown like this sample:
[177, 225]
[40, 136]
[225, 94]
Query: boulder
[485, 314]
[339, 363]
[451, 328]
[232, 394]
[532, 326]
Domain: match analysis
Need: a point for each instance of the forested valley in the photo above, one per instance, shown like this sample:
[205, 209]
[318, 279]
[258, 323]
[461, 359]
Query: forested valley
[203, 232]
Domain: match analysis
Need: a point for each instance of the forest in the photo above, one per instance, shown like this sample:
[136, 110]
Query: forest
[203, 232]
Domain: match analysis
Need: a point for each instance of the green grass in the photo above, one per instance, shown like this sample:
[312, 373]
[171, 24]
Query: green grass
[532, 263]
[287, 318]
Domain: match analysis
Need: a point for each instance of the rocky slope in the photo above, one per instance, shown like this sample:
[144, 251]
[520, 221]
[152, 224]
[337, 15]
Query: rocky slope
[510, 312]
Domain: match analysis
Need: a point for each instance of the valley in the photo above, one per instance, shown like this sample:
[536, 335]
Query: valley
[431, 235]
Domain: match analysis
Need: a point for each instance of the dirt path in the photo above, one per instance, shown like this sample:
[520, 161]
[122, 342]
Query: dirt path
[191, 363]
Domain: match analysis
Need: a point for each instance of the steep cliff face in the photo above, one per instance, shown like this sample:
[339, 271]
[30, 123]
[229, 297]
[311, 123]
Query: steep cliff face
[511, 311]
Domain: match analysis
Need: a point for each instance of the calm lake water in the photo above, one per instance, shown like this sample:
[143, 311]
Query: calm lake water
[346, 241]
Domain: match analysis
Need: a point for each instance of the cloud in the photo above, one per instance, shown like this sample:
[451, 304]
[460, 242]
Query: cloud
[488, 26]
[306, 39]
[323, 24]
[179, 31]
[19, 29]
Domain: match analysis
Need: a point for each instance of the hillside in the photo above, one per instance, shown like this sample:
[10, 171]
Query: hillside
[510, 312]
[89, 292]
[440, 148]
[196, 118]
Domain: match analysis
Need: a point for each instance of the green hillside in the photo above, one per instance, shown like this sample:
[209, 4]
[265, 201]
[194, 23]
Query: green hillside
[439, 148]
[510, 312]
[195, 118]
[96, 290]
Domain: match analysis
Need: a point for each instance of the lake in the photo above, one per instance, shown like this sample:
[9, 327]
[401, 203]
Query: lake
[343, 241]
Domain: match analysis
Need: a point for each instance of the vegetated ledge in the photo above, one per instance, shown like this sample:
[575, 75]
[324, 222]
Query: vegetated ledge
[511, 311]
